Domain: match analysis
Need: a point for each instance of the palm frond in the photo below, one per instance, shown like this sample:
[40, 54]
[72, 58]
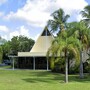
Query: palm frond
[74, 50]
[86, 12]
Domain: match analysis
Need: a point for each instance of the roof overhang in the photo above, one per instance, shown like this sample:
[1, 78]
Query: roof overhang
[31, 54]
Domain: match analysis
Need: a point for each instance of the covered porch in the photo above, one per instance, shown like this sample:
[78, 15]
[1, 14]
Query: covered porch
[30, 62]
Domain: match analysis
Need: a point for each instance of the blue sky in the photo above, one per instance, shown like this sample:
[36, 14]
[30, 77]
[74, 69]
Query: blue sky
[29, 17]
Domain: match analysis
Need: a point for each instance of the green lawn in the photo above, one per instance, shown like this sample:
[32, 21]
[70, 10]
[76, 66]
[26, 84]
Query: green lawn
[40, 80]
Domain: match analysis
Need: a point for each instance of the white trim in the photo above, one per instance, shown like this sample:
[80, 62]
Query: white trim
[13, 63]
[47, 64]
[34, 63]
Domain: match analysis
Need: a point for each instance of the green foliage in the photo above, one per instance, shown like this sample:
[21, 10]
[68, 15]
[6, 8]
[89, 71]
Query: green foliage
[2, 41]
[72, 37]
[18, 44]
[52, 63]
[59, 65]
[81, 31]
[1, 54]
[74, 69]
[86, 12]
[62, 46]
[59, 20]
[6, 49]
[87, 64]
[25, 44]
[14, 43]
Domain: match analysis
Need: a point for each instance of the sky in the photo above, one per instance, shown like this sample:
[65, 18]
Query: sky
[29, 17]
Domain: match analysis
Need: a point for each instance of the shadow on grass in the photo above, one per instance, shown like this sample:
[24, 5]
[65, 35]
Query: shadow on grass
[45, 80]
[76, 78]
[49, 77]
[44, 76]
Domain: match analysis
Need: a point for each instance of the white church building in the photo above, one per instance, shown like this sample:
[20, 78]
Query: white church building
[36, 58]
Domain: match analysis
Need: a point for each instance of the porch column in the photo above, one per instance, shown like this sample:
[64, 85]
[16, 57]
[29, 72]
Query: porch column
[33, 63]
[47, 64]
[13, 63]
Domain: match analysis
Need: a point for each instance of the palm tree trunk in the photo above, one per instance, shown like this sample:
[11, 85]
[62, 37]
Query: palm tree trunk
[66, 68]
[81, 65]
[61, 27]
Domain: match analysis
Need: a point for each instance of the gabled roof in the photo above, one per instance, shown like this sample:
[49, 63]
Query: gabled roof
[46, 32]
[43, 42]
[41, 45]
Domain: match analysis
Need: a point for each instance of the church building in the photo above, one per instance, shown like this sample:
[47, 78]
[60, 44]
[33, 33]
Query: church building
[36, 58]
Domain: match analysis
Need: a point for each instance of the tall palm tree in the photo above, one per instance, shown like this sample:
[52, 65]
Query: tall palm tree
[58, 21]
[63, 46]
[80, 30]
[86, 14]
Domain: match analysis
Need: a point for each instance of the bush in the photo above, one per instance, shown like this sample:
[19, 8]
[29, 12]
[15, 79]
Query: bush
[59, 66]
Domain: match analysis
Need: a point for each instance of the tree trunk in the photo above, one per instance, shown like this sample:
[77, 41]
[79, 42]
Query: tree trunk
[66, 68]
[81, 65]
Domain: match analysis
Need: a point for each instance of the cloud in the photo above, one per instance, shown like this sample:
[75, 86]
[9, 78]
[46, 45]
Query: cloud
[4, 28]
[1, 14]
[36, 37]
[79, 17]
[37, 12]
[2, 1]
[20, 31]
[72, 4]
[5, 37]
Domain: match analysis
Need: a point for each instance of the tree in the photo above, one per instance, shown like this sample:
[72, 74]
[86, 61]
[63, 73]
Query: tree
[25, 44]
[80, 30]
[86, 15]
[14, 43]
[20, 44]
[2, 41]
[58, 21]
[6, 47]
[86, 12]
[62, 47]
[1, 54]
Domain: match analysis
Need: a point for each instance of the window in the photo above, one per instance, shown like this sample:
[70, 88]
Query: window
[46, 33]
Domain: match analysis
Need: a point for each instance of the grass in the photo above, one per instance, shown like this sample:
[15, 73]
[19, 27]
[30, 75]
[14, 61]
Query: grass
[6, 67]
[40, 80]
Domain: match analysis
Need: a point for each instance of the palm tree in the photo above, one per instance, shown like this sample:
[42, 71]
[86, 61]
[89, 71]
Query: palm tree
[86, 14]
[63, 46]
[80, 30]
[58, 21]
